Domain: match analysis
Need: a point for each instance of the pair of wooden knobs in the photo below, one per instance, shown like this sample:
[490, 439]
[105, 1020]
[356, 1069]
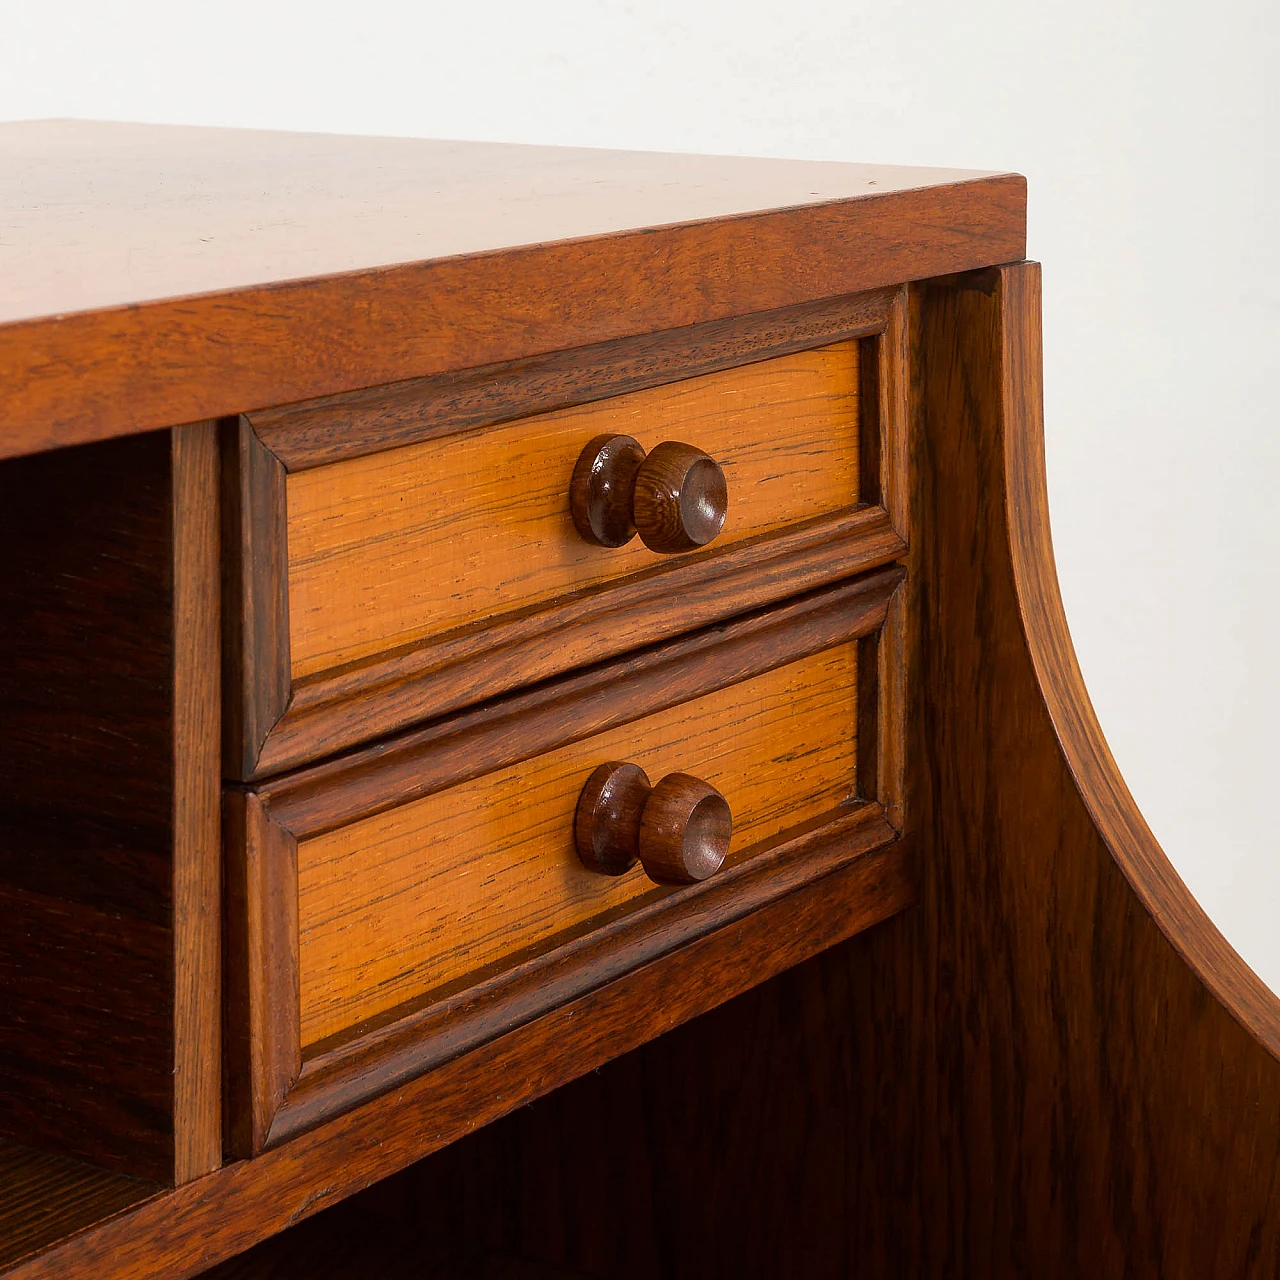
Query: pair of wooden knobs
[675, 497]
[679, 830]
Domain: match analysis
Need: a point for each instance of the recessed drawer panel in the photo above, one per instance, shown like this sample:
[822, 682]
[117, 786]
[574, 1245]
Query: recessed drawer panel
[419, 897]
[403, 552]
[394, 548]
[397, 905]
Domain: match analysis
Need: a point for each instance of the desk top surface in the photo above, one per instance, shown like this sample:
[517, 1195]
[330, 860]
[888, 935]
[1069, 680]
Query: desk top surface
[153, 275]
[96, 215]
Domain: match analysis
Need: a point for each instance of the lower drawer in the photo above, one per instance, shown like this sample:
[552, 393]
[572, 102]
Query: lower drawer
[415, 898]
[435, 892]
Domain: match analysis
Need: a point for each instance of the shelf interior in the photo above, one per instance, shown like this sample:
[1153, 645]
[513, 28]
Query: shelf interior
[44, 1198]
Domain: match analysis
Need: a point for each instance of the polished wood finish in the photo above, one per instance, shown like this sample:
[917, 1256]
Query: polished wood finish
[680, 499]
[363, 702]
[602, 490]
[87, 799]
[338, 1075]
[686, 828]
[418, 897]
[399, 547]
[1034, 1072]
[676, 497]
[262, 1026]
[234, 300]
[45, 1197]
[505, 731]
[1037, 1056]
[679, 830]
[209, 1220]
[276, 1090]
[606, 821]
[197, 822]
[389, 690]
[110, 796]
[255, 615]
[315, 432]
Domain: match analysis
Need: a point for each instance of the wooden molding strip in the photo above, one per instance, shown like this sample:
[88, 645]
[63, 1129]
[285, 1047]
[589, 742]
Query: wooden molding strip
[364, 1063]
[197, 822]
[255, 644]
[184, 1232]
[367, 421]
[263, 1036]
[181, 360]
[502, 732]
[384, 695]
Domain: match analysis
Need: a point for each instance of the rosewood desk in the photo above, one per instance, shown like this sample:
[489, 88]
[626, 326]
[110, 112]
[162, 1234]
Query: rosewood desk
[540, 739]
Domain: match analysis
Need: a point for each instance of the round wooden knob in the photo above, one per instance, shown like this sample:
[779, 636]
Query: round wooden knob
[681, 498]
[679, 830]
[676, 497]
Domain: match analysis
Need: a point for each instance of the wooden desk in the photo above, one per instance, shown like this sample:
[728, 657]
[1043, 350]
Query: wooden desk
[541, 739]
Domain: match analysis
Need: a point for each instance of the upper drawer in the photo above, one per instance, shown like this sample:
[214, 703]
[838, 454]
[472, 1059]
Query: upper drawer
[400, 547]
[442, 551]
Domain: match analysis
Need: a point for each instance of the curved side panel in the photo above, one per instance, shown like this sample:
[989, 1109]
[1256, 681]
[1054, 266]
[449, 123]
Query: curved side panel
[1053, 1066]
[1095, 1085]
[1130, 841]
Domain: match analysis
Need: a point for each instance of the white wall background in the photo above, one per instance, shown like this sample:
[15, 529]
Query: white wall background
[1148, 131]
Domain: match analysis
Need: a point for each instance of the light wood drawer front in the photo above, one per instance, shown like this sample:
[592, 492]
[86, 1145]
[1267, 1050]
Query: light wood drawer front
[396, 547]
[414, 899]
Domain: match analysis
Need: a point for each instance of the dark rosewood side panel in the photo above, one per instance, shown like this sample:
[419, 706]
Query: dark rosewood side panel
[86, 785]
[1053, 1065]
[109, 792]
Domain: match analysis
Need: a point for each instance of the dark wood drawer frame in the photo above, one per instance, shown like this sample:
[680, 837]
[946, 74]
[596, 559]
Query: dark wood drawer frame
[275, 1093]
[274, 722]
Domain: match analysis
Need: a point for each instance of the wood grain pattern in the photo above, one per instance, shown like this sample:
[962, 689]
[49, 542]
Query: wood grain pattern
[452, 1019]
[197, 818]
[1051, 1066]
[471, 743]
[86, 805]
[255, 617]
[412, 899]
[393, 548]
[332, 428]
[351, 1069]
[391, 692]
[263, 1042]
[204, 1222]
[229, 208]
[45, 1197]
[200, 344]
